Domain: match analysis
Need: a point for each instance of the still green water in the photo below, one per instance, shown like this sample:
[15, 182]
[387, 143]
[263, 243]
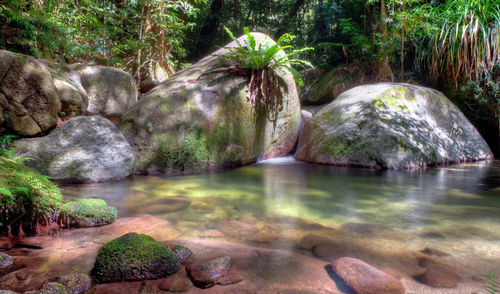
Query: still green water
[431, 203]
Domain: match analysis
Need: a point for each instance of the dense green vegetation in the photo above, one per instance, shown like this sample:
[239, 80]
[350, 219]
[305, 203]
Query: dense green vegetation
[452, 45]
[27, 199]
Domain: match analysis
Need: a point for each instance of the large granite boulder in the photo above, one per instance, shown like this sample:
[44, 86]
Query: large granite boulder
[333, 83]
[133, 257]
[72, 95]
[198, 120]
[391, 125]
[111, 91]
[85, 149]
[29, 103]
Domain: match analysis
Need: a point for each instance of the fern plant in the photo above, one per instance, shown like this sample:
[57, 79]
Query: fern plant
[492, 286]
[261, 63]
[8, 151]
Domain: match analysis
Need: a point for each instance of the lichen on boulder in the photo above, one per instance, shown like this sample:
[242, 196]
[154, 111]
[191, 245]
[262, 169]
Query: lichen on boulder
[29, 102]
[87, 212]
[133, 257]
[389, 125]
[85, 149]
[199, 120]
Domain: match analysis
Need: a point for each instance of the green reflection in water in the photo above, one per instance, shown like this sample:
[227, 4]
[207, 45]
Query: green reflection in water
[437, 200]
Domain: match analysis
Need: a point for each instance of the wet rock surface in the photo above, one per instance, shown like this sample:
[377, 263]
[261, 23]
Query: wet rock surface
[133, 257]
[87, 212]
[363, 278]
[78, 283]
[213, 272]
[52, 288]
[5, 260]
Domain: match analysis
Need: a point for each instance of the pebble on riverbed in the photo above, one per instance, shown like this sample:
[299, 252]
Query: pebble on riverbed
[5, 260]
[216, 271]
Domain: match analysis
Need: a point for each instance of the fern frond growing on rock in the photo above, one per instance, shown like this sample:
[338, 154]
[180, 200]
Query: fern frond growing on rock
[260, 64]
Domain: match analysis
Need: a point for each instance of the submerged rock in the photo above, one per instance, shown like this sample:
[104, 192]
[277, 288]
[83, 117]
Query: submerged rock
[5, 260]
[87, 212]
[198, 120]
[439, 277]
[111, 91]
[51, 288]
[391, 126]
[133, 257]
[183, 253]
[85, 149]
[29, 102]
[213, 272]
[363, 278]
[77, 283]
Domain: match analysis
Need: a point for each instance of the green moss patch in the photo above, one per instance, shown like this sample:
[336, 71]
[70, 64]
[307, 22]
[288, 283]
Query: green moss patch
[133, 257]
[27, 198]
[87, 212]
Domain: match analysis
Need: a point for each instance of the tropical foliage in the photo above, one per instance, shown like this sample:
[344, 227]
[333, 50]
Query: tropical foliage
[27, 199]
[261, 63]
[492, 286]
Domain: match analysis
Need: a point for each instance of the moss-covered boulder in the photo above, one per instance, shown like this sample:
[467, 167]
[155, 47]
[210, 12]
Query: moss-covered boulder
[85, 149]
[391, 126]
[198, 120]
[133, 257]
[111, 91]
[29, 102]
[27, 198]
[87, 212]
[333, 83]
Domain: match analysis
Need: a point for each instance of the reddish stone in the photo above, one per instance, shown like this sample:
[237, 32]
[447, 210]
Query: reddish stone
[439, 277]
[363, 278]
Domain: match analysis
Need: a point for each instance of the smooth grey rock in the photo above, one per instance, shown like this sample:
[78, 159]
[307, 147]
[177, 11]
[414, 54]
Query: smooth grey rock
[200, 119]
[72, 95]
[111, 91]
[5, 260]
[85, 149]
[29, 102]
[393, 126]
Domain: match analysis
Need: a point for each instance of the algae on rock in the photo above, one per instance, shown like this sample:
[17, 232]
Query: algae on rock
[133, 257]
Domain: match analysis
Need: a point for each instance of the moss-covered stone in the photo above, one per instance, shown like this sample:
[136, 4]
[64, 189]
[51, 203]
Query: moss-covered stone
[391, 126]
[197, 121]
[333, 83]
[87, 212]
[133, 257]
[27, 198]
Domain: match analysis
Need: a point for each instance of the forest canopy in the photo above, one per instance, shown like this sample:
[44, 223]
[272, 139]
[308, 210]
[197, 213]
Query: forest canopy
[456, 41]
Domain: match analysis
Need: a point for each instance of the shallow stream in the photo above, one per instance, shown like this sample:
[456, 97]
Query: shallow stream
[277, 202]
